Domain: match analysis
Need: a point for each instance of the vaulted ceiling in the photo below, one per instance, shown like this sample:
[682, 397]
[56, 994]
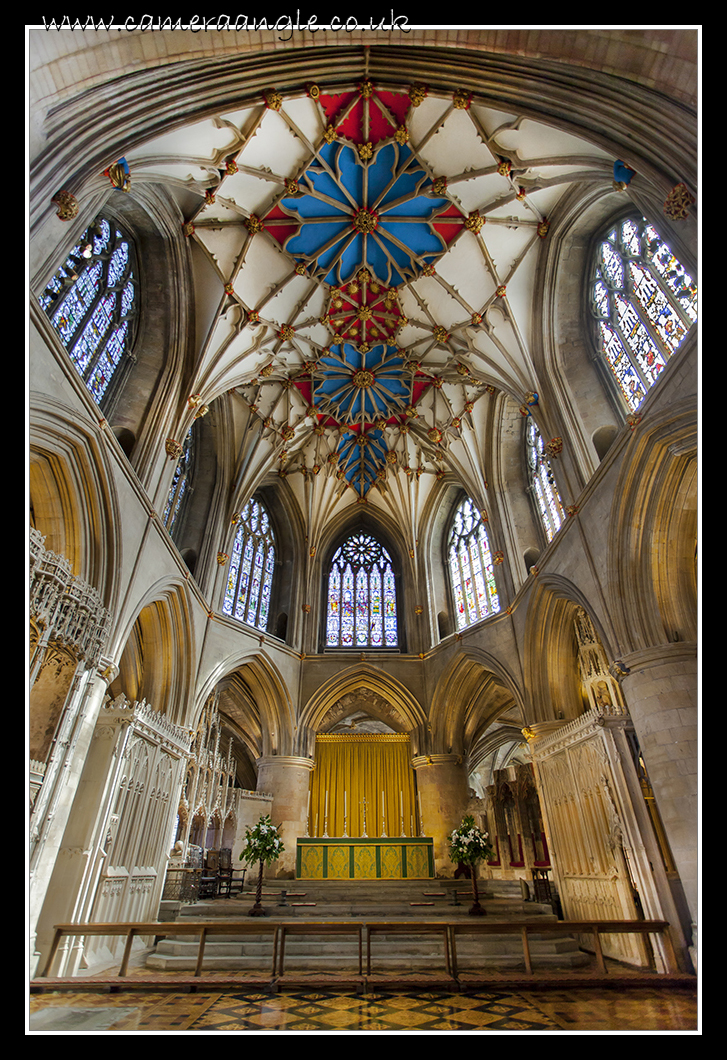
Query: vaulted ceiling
[365, 266]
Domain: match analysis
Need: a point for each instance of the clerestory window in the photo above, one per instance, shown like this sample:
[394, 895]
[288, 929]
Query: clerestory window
[542, 481]
[250, 573]
[471, 566]
[361, 611]
[92, 303]
[644, 303]
[181, 486]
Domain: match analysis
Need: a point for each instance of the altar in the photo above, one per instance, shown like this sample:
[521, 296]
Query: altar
[362, 788]
[363, 858]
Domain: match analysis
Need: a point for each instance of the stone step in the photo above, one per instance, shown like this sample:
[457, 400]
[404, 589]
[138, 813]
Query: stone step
[229, 946]
[389, 953]
[372, 900]
[380, 899]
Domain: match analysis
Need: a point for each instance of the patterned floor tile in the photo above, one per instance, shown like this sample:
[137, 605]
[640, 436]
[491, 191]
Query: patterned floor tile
[382, 1012]
[394, 1011]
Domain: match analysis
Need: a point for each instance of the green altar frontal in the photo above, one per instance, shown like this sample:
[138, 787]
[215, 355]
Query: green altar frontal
[365, 859]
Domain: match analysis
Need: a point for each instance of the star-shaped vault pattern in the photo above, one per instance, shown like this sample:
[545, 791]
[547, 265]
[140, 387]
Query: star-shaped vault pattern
[364, 261]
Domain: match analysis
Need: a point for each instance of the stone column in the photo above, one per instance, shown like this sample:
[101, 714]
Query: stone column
[287, 778]
[660, 685]
[443, 797]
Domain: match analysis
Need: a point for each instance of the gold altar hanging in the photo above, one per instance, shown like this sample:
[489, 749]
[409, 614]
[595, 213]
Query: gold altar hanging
[363, 786]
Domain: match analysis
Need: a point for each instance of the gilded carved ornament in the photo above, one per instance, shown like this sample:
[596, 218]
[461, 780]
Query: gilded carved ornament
[66, 205]
[474, 222]
[273, 99]
[677, 203]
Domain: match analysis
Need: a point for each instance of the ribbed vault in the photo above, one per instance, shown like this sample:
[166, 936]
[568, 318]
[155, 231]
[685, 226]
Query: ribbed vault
[468, 698]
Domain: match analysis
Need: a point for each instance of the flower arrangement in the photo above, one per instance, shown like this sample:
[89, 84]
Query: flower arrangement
[468, 844]
[264, 845]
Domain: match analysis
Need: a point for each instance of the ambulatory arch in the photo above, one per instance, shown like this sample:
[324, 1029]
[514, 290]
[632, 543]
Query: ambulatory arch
[470, 695]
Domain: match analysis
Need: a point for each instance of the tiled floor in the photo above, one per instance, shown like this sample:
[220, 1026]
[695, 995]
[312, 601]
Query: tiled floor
[644, 1009]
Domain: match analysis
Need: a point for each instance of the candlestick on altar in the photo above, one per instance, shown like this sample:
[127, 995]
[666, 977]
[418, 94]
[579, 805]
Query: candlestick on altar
[364, 836]
[401, 812]
[307, 817]
[345, 815]
[325, 820]
[383, 817]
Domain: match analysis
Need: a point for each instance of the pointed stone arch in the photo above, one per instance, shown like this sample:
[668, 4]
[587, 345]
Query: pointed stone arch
[653, 534]
[72, 501]
[468, 698]
[266, 717]
[550, 654]
[384, 697]
[156, 654]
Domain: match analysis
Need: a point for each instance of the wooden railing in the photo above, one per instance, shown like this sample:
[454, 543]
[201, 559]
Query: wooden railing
[278, 930]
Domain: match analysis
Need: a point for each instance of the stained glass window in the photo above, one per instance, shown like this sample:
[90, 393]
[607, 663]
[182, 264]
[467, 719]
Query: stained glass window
[181, 484]
[542, 481]
[644, 303]
[361, 596]
[471, 567]
[250, 573]
[92, 303]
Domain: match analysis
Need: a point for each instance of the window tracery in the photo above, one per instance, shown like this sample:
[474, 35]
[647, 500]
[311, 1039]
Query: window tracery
[181, 485]
[250, 573]
[542, 481]
[471, 567]
[644, 303]
[361, 611]
[92, 303]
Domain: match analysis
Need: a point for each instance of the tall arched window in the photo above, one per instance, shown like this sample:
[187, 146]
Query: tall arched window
[471, 567]
[181, 485]
[92, 303]
[542, 481]
[644, 304]
[250, 574]
[361, 609]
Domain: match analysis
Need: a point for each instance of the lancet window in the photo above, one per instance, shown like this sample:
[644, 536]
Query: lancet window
[361, 610]
[542, 481]
[471, 566]
[181, 485]
[250, 573]
[92, 303]
[644, 303]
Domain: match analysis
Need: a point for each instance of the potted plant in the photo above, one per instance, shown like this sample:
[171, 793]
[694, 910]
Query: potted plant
[468, 844]
[263, 845]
